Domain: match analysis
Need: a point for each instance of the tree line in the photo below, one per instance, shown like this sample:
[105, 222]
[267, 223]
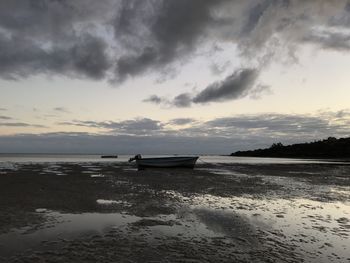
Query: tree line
[328, 148]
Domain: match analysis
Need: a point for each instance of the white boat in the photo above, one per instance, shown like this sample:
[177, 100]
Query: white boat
[165, 162]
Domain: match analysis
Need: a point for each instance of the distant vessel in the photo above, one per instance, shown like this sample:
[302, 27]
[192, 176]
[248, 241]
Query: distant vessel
[109, 156]
[165, 162]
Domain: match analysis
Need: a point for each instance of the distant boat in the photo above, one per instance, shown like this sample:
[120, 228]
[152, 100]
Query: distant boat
[109, 156]
[165, 162]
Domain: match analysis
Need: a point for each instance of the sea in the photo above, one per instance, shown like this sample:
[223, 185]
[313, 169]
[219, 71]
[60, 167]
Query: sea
[209, 159]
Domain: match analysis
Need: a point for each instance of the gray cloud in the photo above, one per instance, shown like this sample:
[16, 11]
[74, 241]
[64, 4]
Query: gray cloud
[267, 125]
[330, 40]
[232, 87]
[237, 85]
[142, 126]
[52, 37]
[86, 57]
[258, 91]
[61, 109]
[217, 69]
[5, 117]
[3, 109]
[20, 124]
[154, 99]
[286, 127]
[182, 100]
[182, 121]
[217, 136]
[119, 39]
[173, 30]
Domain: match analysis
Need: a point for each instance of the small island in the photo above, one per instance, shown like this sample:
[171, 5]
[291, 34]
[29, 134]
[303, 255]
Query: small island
[328, 148]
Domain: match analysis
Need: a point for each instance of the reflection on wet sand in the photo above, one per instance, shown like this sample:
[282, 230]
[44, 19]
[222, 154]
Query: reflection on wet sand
[67, 212]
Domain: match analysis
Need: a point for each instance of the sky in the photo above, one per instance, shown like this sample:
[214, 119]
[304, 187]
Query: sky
[172, 77]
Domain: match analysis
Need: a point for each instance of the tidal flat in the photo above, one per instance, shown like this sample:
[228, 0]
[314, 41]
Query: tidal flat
[218, 212]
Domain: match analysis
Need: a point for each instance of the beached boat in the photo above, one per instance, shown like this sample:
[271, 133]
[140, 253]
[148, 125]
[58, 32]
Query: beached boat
[109, 156]
[165, 162]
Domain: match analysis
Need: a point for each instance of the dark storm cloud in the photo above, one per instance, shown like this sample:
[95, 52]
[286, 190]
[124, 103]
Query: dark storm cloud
[22, 57]
[255, 14]
[174, 29]
[115, 40]
[52, 37]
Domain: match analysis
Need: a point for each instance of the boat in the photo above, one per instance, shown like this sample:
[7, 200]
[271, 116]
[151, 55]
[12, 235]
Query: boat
[109, 156]
[165, 162]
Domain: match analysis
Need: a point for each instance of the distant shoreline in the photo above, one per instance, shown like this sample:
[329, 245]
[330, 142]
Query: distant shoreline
[330, 148]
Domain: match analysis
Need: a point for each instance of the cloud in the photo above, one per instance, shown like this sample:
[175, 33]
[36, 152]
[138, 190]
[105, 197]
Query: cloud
[3, 109]
[20, 124]
[218, 136]
[258, 91]
[330, 40]
[288, 127]
[232, 87]
[61, 109]
[172, 30]
[237, 85]
[21, 57]
[182, 121]
[5, 117]
[52, 37]
[182, 100]
[143, 126]
[217, 69]
[116, 40]
[154, 99]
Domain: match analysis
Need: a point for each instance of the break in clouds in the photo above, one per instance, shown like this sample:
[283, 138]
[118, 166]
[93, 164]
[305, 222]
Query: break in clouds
[118, 40]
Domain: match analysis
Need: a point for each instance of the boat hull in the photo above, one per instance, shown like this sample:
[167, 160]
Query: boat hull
[109, 156]
[167, 162]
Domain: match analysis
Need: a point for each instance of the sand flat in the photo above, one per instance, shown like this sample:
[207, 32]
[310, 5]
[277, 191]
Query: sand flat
[243, 212]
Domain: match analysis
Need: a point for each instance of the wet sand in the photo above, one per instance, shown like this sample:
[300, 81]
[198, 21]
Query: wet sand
[109, 212]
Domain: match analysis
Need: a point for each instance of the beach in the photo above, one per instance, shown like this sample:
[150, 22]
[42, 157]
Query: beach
[227, 209]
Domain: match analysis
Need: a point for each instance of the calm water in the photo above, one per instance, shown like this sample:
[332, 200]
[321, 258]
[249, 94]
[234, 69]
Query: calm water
[212, 159]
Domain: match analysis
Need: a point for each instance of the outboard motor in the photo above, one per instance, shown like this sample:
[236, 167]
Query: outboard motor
[136, 157]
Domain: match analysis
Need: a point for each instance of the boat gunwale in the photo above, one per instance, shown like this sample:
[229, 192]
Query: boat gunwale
[175, 158]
